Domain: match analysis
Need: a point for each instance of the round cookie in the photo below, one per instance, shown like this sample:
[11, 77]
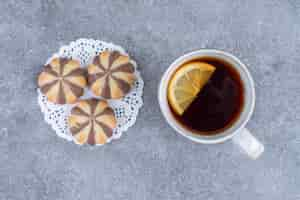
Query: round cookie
[111, 75]
[62, 81]
[92, 121]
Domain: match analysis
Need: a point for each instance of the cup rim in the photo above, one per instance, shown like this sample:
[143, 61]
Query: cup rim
[166, 111]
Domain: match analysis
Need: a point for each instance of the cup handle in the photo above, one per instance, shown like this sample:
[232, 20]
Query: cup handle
[246, 141]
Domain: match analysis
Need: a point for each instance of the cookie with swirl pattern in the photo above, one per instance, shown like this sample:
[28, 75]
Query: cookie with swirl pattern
[92, 122]
[62, 81]
[111, 75]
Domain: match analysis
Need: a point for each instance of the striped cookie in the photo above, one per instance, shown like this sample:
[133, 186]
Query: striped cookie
[62, 81]
[92, 121]
[111, 75]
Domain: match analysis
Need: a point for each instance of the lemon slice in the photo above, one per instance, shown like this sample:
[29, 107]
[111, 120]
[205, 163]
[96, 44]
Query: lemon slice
[186, 83]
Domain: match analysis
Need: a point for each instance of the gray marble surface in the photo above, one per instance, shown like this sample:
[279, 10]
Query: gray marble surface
[151, 161]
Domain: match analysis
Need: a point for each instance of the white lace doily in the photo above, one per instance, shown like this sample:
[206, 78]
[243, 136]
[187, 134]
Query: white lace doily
[126, 109]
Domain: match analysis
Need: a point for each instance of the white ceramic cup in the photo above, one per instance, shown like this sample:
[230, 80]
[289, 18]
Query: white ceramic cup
[237, 132]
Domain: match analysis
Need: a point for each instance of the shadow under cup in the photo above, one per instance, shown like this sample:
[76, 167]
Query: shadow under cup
[247, 107]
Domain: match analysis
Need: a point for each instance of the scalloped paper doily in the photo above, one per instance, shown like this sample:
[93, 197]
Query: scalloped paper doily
[126, 109]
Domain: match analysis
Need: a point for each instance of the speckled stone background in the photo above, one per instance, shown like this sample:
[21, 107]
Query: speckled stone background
[151, 161]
